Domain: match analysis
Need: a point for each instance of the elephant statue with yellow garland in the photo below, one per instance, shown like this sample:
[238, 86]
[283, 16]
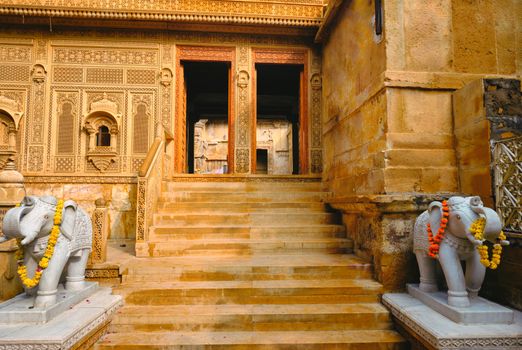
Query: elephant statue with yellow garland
[56, 239]
[452, 231]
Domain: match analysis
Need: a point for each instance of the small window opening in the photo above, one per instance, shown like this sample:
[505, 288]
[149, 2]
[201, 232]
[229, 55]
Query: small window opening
[103, 138]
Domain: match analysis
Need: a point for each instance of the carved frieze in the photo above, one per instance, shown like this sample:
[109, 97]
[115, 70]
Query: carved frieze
[297, 13]
[105, 56]
[15, 53]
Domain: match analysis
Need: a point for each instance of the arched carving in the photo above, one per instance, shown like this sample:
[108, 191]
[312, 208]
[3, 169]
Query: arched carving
[165, 77]
[99, 154]
[8, 132]
[242, 78]
[38, 73]
[12, 108]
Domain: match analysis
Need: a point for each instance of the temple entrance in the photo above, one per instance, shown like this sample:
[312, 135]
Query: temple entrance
[207, 117]
[277, 118]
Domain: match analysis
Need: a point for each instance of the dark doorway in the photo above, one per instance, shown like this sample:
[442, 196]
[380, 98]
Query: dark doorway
[277, 115]
[207, 86]
[261, 161]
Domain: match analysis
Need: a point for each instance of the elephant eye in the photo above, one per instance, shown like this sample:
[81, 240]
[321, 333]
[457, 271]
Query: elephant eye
[458, 217]
[46, 217]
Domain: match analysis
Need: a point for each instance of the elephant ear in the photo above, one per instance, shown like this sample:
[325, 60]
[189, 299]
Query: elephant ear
[435, 215]
[68, 218]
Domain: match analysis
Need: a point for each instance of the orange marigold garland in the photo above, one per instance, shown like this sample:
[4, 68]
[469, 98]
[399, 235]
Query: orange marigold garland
[434, 241]
[49, 251]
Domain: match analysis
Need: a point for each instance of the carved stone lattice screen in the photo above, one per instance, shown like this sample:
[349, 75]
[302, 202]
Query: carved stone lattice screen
[507, 168]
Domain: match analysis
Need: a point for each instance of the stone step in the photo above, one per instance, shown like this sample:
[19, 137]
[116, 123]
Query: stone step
[268, 267]
[217, 196]
[239, 207]
[171, 186]
[232, 317]
[346, 291]
[169, 233]
[309, 340]
[242, 247]
[255, 219]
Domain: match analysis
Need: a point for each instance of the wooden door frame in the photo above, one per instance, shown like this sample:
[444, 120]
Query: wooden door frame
[202, 54]
[283, 56]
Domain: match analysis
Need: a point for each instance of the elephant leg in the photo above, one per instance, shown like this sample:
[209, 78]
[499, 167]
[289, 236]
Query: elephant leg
[428, 275]
[475, 273]
[75, 278]
[450, 262]
[48, 287]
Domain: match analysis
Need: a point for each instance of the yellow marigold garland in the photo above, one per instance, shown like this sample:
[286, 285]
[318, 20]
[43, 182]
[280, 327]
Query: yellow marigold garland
[49, 251]
[477, 229]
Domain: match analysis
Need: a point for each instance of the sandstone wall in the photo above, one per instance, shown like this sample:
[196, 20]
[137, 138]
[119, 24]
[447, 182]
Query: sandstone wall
[121, 200]
[354, 104]
[389, 126]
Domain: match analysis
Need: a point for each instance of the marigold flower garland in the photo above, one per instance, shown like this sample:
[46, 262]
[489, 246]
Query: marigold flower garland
[435, 240]
[477, 229]
[49, 251]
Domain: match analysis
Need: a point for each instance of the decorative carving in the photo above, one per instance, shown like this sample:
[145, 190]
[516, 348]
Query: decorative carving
[67, 75]
[105, 56]
[508, 182]
[64, 164]
[15, 53]
[293, 13]
[38, 73]
[104, 76]
[316, 81]
[317, 132]
[14, 73]
[166, 93]
[141, 76]
[280, 56]
[317, 161]
[11, 102]
[242, 78]
[242, 160]
[141, 210]
[141, 111]
[105, 103]
[166, 77]
[66, 119]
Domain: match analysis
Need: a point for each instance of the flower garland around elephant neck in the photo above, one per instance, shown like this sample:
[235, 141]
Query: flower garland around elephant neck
[477, 229]
[434, 241]
[49, 251]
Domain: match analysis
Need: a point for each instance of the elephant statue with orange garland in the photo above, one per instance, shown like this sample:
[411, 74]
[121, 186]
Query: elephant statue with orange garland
[452, 231]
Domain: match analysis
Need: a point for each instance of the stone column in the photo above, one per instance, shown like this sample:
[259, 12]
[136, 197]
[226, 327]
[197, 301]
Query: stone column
[100, 232]
[12, 191]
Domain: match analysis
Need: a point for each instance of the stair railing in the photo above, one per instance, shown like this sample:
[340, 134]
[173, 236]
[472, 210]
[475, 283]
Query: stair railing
[150, 177]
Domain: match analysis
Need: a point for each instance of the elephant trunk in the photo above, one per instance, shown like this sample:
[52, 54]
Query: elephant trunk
[493, 222]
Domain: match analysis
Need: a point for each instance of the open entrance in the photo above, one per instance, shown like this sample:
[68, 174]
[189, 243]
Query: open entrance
[278, 89]
[207, 116]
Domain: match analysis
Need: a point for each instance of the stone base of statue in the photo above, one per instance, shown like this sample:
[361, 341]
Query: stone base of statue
[430, 323]
[78, 319]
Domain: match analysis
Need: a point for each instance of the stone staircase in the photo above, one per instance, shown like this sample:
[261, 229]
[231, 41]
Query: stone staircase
[248, 265]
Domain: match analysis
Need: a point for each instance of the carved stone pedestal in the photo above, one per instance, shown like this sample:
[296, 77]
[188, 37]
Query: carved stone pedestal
[428, 329]
[76, 322]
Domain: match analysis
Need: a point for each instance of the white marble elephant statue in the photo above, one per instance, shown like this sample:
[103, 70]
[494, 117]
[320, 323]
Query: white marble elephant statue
[32, 223]
[455, 244]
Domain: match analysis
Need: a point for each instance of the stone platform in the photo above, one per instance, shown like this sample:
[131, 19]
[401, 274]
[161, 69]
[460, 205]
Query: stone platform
[431, 330]
[79, 325]
[481, 311]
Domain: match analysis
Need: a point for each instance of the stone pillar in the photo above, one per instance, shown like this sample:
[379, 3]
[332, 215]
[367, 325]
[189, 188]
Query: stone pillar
[100, 232]
[12, 191]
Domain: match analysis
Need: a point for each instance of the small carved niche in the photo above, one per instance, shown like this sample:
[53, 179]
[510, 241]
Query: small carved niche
[102, 126]
[10, 115]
